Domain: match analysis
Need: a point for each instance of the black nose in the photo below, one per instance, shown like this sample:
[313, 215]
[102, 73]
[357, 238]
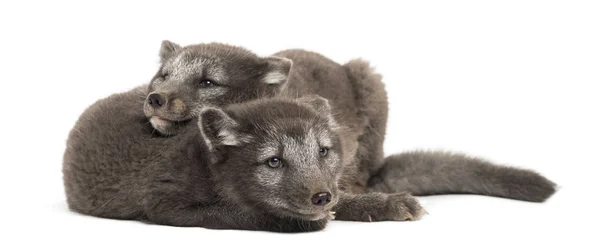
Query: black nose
[156, 100]
[321, 198]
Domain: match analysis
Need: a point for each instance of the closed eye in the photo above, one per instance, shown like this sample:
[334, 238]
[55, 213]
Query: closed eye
[164, 73]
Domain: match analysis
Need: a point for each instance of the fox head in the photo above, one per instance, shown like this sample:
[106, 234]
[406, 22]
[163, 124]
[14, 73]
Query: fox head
[213, 74]
[280, 156]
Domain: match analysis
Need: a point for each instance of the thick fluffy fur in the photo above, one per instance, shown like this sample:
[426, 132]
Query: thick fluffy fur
[130, 173]
[355, 92]
[220, 179]
[235, 75]
[437, 172]
[245, 137]
[126, 158]
[119, 165]
[359, 104]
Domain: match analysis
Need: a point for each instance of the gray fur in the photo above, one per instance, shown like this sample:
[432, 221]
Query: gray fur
[130, 173]
[438, 172]
[238, 73]
[117, 166]
[296, 130]
[167, 49]
[157, 165]
[357, 95]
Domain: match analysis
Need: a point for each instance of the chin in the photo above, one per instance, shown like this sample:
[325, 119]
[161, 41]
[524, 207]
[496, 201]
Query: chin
[163, 126]
[168, 127]
[312, 216]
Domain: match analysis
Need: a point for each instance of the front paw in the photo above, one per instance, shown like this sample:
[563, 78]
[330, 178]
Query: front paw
[380, 207]
[399, 207]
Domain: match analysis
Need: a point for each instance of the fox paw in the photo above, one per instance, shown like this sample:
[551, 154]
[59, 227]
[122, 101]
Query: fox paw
[397, 207]
[402, 207]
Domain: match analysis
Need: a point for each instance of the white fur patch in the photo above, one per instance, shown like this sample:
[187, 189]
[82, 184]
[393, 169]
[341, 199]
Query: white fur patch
[159, 123]
[226, 133]
[228, 138]
[324, 140]
[274, 78]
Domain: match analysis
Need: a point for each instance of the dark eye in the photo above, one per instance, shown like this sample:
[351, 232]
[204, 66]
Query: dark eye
[205, 83]
[274, 162]
[323, 152]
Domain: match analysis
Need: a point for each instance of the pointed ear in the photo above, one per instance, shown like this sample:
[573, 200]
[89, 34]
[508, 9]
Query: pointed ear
[217, 128]
[320, 104]
[278, 69]
[168, 49]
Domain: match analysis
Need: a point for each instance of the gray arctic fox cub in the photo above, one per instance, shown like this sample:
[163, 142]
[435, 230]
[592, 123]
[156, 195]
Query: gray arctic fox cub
[140, 155]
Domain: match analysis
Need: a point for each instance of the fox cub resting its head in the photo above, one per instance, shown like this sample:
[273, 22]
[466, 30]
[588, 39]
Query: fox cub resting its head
[208, 74]
[271, 164]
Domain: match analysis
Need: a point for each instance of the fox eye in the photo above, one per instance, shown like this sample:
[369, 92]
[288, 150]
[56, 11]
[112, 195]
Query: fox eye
[205, 83]
[162, 77]
[274, 162]
[323, 152]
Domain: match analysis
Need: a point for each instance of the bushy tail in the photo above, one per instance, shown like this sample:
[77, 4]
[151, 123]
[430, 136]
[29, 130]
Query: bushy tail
[437, 172]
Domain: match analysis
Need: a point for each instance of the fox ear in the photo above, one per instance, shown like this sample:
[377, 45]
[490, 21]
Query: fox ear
[322, 106]
[218, 128]
[168, 49]
[278, 70]
[318, 103]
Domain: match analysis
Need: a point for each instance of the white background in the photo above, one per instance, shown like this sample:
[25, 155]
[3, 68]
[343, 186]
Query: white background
[516, 82]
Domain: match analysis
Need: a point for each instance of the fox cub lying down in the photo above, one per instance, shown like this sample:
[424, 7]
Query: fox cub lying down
[195, 148]
[274, 164]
